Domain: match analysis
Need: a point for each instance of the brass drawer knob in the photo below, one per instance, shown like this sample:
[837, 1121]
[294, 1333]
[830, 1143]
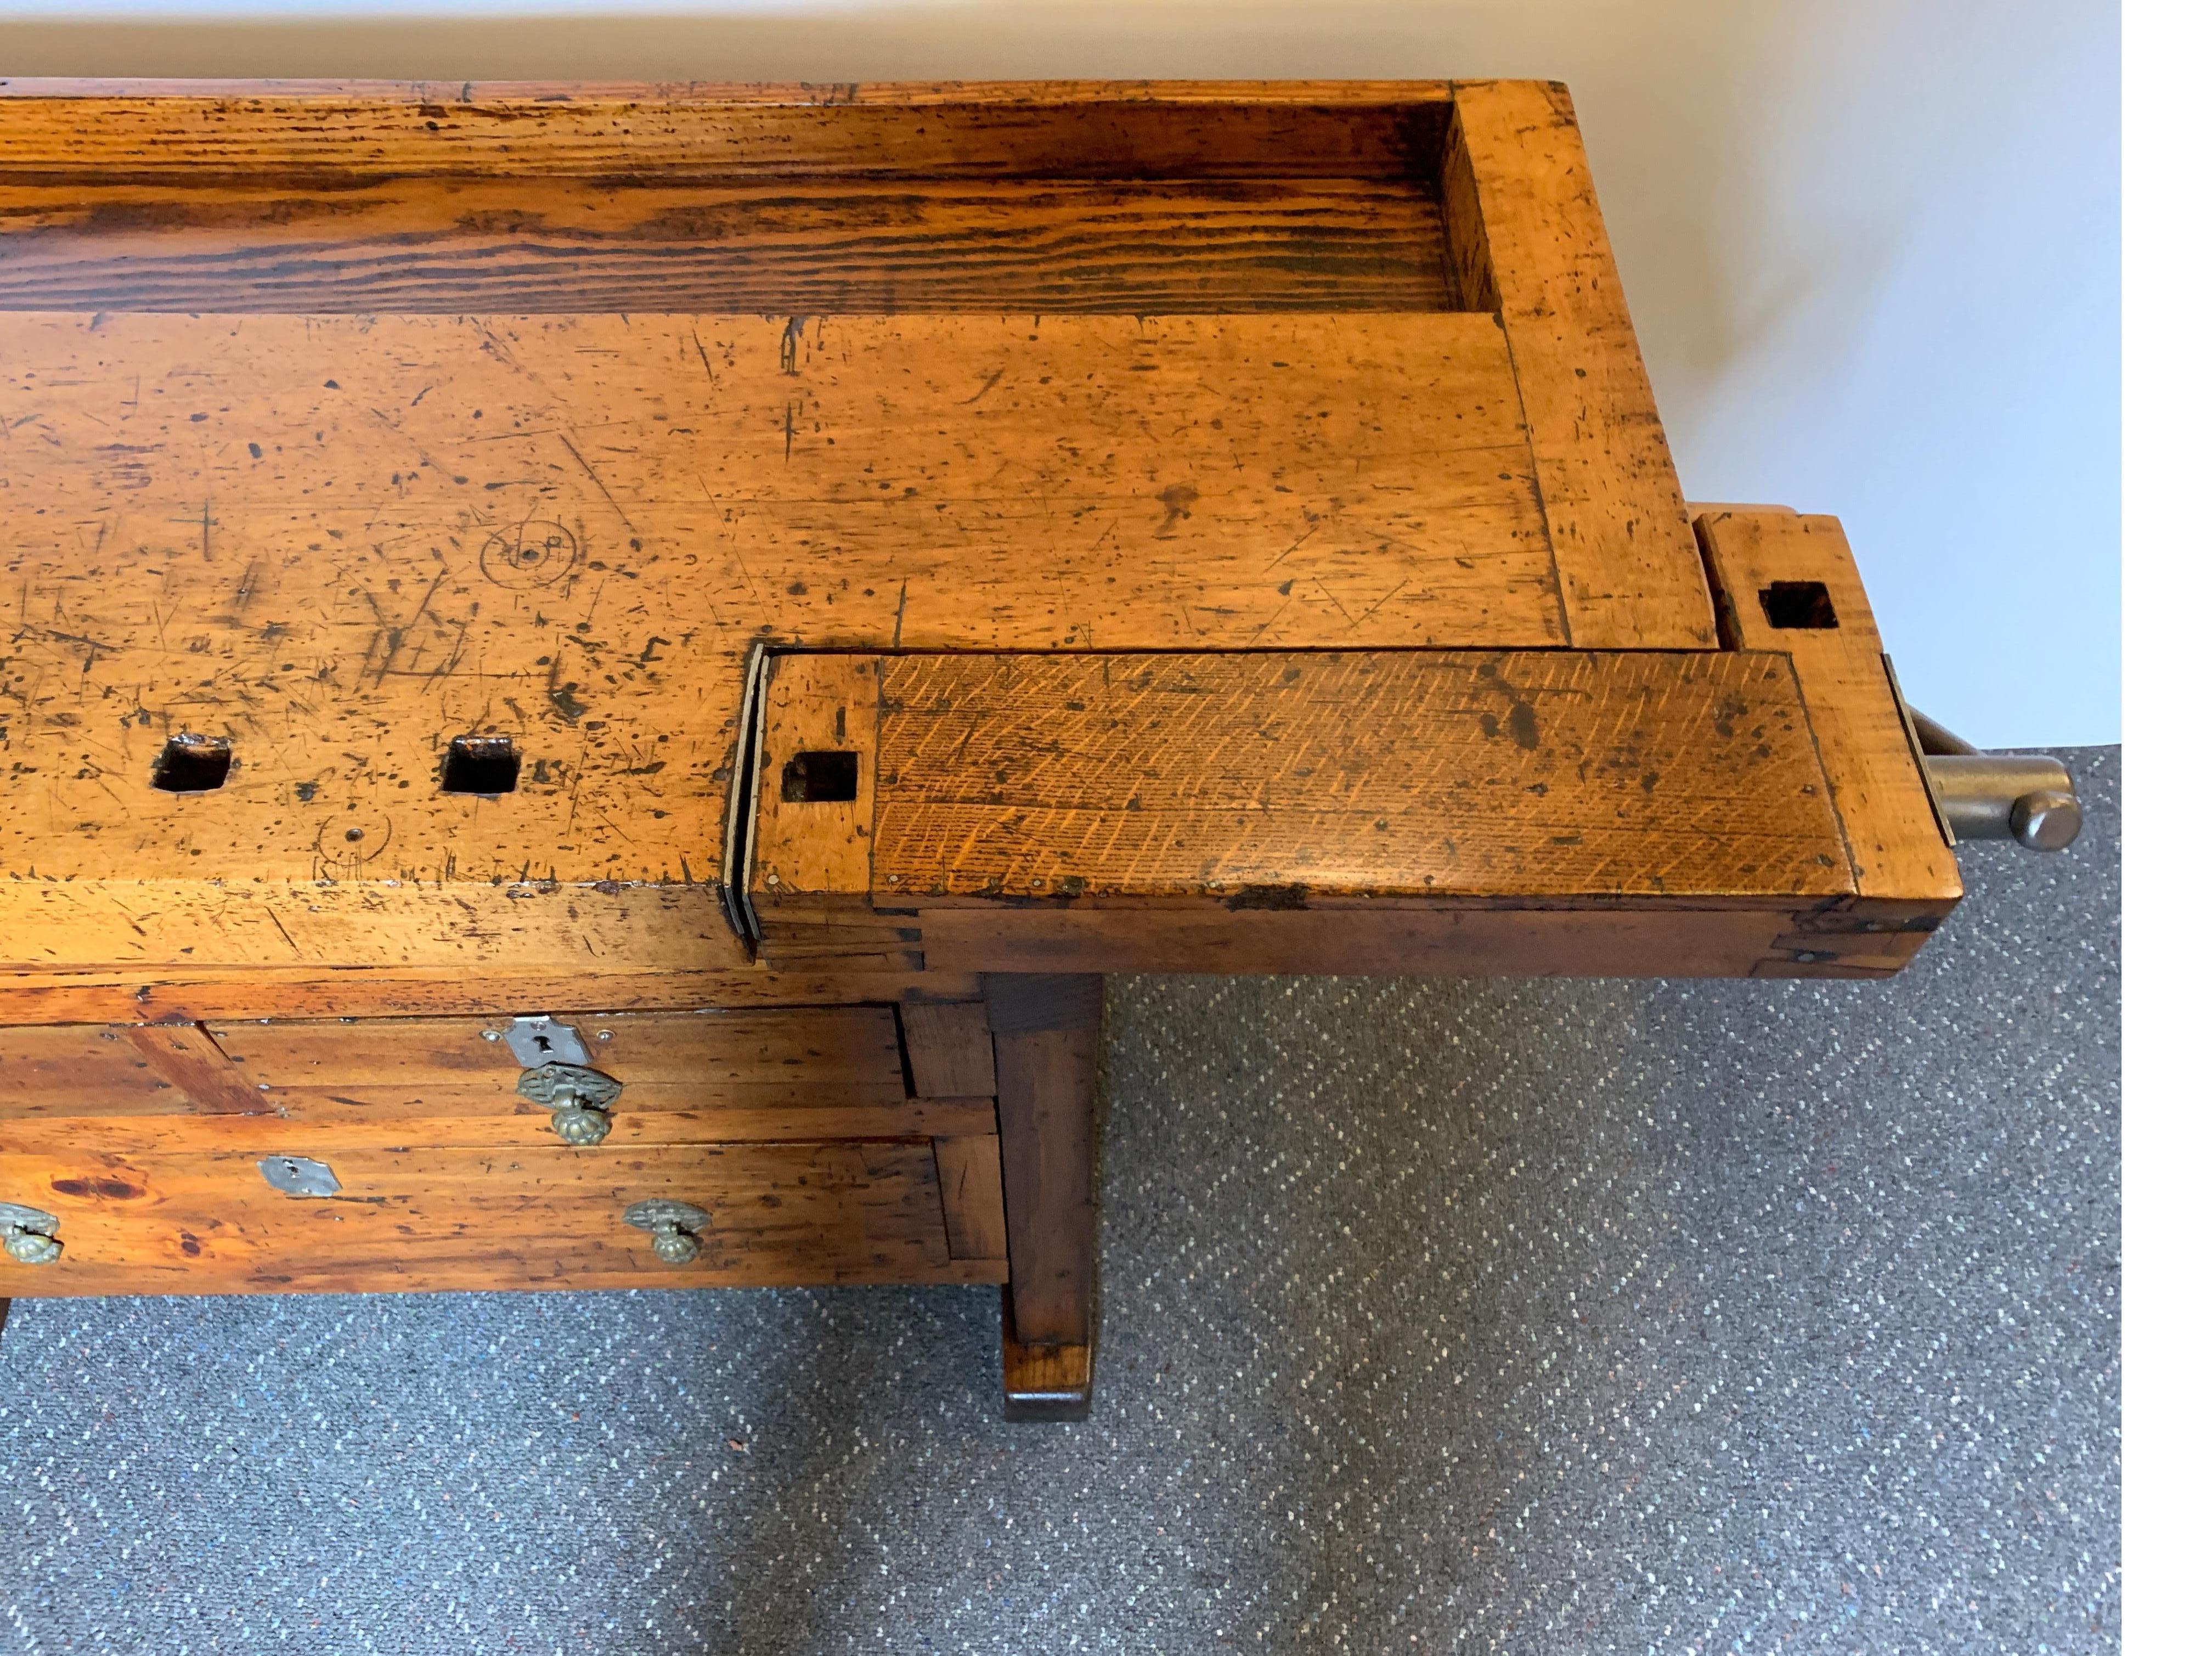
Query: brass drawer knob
[579, 1098]
[28, 1235]
[580, 1123]
[675, 1226]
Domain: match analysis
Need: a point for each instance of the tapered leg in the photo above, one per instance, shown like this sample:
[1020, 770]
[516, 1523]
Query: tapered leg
[1044, 1034]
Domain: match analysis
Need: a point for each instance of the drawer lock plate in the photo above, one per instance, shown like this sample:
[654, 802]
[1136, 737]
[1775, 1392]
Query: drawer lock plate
[540, 1040]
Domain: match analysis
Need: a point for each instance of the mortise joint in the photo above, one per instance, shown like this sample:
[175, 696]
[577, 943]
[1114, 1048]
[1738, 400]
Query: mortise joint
[824, 776]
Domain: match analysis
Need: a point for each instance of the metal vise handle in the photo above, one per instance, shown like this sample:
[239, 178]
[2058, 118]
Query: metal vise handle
[2029, 797]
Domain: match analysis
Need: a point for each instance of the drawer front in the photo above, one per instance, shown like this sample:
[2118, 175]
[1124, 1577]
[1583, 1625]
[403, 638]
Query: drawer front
[67, 1071]
[705, 1077]
[208, 1221]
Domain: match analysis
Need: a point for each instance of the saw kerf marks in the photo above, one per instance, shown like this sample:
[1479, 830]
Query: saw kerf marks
[1412, 774]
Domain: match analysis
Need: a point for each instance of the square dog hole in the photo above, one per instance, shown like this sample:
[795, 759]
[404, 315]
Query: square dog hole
[192, 764]
[824, 776]
[1798, 604]
[481, 764]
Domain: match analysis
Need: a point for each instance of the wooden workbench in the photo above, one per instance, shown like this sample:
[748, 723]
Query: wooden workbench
[785, 586]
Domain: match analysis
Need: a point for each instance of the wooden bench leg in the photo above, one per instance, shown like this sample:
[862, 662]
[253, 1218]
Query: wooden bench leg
[1044, 1033]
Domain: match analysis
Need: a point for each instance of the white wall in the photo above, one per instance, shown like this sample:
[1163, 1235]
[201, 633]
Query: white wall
[1872, 247]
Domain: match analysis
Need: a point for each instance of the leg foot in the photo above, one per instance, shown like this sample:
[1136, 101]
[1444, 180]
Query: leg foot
[1043, 1382]
[1044, 1030]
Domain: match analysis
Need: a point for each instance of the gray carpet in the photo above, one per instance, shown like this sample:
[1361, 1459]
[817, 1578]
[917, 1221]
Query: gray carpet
[1536, 1317]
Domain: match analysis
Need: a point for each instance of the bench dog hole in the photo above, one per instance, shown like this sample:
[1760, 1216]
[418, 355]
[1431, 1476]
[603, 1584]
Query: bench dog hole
[1798, 604]
[192, 764]
[823, 775]
[480, 764]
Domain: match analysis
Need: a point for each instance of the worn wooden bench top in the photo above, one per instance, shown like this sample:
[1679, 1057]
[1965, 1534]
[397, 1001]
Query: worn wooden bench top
[346, 421]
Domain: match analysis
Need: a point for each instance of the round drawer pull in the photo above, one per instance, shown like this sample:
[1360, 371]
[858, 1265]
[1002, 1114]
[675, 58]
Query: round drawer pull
[28, 1235]
[579, 1098]
[675, 1226]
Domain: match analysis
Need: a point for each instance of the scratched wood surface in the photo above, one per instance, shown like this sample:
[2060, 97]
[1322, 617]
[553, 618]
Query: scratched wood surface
[1283, 778]
[341, 542]
[1611, 813]
[1527, 237]
[206, 1222]
[178, 929]
[817, 703]
[925, 368]
[1905, 876]
[968, 1179]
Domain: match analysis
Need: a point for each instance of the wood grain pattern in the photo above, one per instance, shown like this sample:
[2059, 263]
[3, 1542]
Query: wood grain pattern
[807, 848]
[328, 132]
[1608, 813]
[1627, 561]
[800, 1074]
[838, 1046]
[1046, 1034]
[69, 1072]
[1042, 1382]
[974, 1204]
[1288, 779]
[1529, 938]
[1467, 264]
[948, 1049]
[187, 1057]
[818, 1119]
[805, 245]
[318, 1070]
[1896, 846]
[523, 928]
[583, 569]
[185, 993]
[207, 1223]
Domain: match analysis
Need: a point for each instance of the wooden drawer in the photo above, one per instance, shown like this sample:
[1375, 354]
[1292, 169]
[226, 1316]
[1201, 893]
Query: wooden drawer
[705, 1077]
[794, 1129]
[208, 1221]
